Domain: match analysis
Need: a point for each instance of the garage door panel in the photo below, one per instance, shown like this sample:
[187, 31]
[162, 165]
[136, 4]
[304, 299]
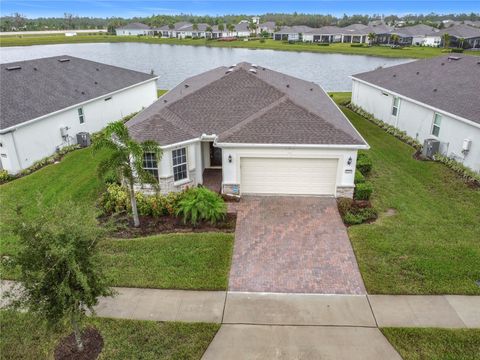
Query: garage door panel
[288, 176]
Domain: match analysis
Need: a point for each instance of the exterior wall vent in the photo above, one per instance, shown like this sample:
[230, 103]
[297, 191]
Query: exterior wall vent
[10, 68]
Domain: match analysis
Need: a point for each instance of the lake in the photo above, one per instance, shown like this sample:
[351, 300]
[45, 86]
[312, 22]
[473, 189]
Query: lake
[174, 63]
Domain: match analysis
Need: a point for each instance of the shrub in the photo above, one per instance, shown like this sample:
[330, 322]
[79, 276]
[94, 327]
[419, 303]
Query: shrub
[457, 50]
[4, 176]
[363, 191]
[262, 40]
[114, 200]
[356, 45]
[466, 173]
[323, 44]
[359, 178]
[199, 204]
[344, 205]
[360, 215]
[364, 164]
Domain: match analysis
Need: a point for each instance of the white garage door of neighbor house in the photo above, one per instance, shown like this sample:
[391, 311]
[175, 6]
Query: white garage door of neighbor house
[288, 176]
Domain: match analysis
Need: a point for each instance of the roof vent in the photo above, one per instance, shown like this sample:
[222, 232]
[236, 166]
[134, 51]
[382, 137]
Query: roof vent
[10, 68]
[434, 90]
[254, 66]
[311, 89]
[418, 72]
[454, 58]
[97, 69]
[252, 71]
[63, 60]
[263, 69]
[288, 85]
[83, 92]
[443, 64]
[96, 82]
[164, 100]
[394, 75]
[186, 86]
[35, 69]
[229, 71]
[232, 66]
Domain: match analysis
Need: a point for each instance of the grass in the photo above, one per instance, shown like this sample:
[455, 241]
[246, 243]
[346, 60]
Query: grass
[182, 261]
[435, 344]
[161, 92]
[198, 261]
[430, 246]
[383, 51]
[25, 338]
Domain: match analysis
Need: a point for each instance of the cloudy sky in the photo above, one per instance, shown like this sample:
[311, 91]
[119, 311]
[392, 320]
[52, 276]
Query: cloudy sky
[131, 8]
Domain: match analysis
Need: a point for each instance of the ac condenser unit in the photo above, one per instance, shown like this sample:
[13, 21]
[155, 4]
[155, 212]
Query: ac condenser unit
[83, 139]
[430, 148]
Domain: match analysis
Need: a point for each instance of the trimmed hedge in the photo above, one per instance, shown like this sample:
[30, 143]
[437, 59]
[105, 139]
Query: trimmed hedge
[364, 164]
[353, 214]
[399, 134]
[363, 191]
[359, 178]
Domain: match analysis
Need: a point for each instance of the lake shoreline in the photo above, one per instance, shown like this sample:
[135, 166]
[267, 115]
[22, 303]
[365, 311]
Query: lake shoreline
[269, 44]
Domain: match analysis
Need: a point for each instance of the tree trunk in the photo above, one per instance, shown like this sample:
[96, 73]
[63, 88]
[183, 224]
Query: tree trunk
[78, 334]
[136, 220]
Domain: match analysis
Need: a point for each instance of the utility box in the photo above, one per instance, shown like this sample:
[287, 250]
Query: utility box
[467, 144]
[83, 139]
[430, 148]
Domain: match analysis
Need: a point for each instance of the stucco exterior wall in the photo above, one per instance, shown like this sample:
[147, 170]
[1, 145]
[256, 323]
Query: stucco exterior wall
[231, 171]
[131, 32]
[417, 121]
[36, 140]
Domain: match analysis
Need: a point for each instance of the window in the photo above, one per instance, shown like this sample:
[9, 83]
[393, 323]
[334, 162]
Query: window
[179, 157]
[437, 121]
[396, 103]
[150, 164]
[81, 117]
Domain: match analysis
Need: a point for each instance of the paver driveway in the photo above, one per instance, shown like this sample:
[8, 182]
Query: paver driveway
[293, 245]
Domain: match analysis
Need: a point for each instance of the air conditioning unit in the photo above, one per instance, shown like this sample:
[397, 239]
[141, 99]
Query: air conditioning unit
[430, 148]
[83, 139]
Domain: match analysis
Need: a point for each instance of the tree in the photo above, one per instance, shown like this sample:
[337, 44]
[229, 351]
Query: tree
[395, 38]
[230, 28]
[221, 27]
[126, 160]
[461, 42]
[60, 274]
[209, 29]
[195, 26]
[252, 27]
[171, 26]
[446, 40]
[371, 37]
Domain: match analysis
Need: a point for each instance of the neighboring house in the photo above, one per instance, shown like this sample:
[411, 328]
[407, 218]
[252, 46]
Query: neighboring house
[264, 131]
[409, 35]
[435, 98]
[268, 26]
[45, 103]
[134, 29]
[462, 36]
[291, 33]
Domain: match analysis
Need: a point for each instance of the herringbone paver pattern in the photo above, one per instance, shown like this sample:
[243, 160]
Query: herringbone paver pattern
[293, 244]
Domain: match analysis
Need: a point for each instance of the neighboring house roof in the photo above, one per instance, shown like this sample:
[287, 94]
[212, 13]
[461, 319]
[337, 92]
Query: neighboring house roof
[461, 31]
[42, 86]
[240, 106]
[134, 26]
[269, 25]
[325, 30]
[242, 27]
[355, 27]
[446, 84]
[294, 29]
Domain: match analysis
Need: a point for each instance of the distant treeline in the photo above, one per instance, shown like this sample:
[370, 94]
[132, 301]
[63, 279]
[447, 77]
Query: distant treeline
[18, 22]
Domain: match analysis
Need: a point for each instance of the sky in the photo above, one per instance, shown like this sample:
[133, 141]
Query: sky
[132, 8]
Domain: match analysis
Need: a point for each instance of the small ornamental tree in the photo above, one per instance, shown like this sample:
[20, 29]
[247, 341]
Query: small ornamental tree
[371, 37]
[395, 38]
[126, 160]
[60, 273]
[446, 40]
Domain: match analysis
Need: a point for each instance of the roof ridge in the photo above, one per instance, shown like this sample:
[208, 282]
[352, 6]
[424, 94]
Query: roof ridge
[254, 116]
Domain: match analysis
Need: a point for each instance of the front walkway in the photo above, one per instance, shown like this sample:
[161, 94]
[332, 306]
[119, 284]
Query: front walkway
[293, 245]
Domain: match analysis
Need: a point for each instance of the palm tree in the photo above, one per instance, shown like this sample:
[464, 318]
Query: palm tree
[461, 41]
[252, 27]
[395, 38]
[371, 37]
[230, 28]
[221, 27]
[126, 160]
[195, 26]
[446, 40]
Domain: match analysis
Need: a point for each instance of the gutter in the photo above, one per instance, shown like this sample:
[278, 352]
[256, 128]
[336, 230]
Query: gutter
[6, 130]
[469, 122]
[293, 146]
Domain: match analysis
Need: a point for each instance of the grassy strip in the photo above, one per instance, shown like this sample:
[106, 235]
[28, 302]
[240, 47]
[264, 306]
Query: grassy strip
[161, 92]
[430, 245]
[383, 51]
[435, 344]
[25, 338]
[198, 261]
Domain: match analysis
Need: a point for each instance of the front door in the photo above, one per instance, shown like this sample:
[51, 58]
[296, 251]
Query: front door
[215, 155]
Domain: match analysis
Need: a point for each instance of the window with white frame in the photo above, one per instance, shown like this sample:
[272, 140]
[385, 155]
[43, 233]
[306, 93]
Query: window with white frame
[150, 163]
[437, 122]
[395, 106]
[179, 160]
[81, 116]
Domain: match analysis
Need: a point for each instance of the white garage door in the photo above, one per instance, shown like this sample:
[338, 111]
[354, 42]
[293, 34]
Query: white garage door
[288, 176]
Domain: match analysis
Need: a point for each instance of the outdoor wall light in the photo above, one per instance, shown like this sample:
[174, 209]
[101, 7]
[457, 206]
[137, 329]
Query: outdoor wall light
[229, 158]
[349, 161]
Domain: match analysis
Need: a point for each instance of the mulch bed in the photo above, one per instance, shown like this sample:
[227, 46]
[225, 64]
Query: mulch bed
[150, 225]
[92, 346]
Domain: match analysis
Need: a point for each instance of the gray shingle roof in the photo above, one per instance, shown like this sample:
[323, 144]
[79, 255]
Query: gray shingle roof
[43, 86]
[462, 31]
[244, 107]
[134, 26]
[449, 85]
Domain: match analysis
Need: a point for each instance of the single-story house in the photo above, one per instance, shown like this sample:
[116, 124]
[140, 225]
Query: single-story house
[46, 102]
[465, 36]
[258, 130]
[435, 98]
[134, 29]
[409, 35]
[291, 33]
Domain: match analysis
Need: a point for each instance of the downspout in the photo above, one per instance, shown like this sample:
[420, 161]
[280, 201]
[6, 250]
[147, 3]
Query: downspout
[14, 147]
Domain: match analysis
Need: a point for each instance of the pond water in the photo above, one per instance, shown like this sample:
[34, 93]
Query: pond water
[174, 63]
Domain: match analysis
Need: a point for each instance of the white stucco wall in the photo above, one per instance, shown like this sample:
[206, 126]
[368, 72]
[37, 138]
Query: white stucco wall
[132, 32]
[231, 171]
[33, 141]
[417, 121]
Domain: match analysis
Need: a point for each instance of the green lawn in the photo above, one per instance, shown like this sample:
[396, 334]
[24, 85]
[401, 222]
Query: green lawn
[25, 338]
[198, 261]
[435, 344]
[181, 261]
[408, 52]
[431, 245]
[161, 92]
